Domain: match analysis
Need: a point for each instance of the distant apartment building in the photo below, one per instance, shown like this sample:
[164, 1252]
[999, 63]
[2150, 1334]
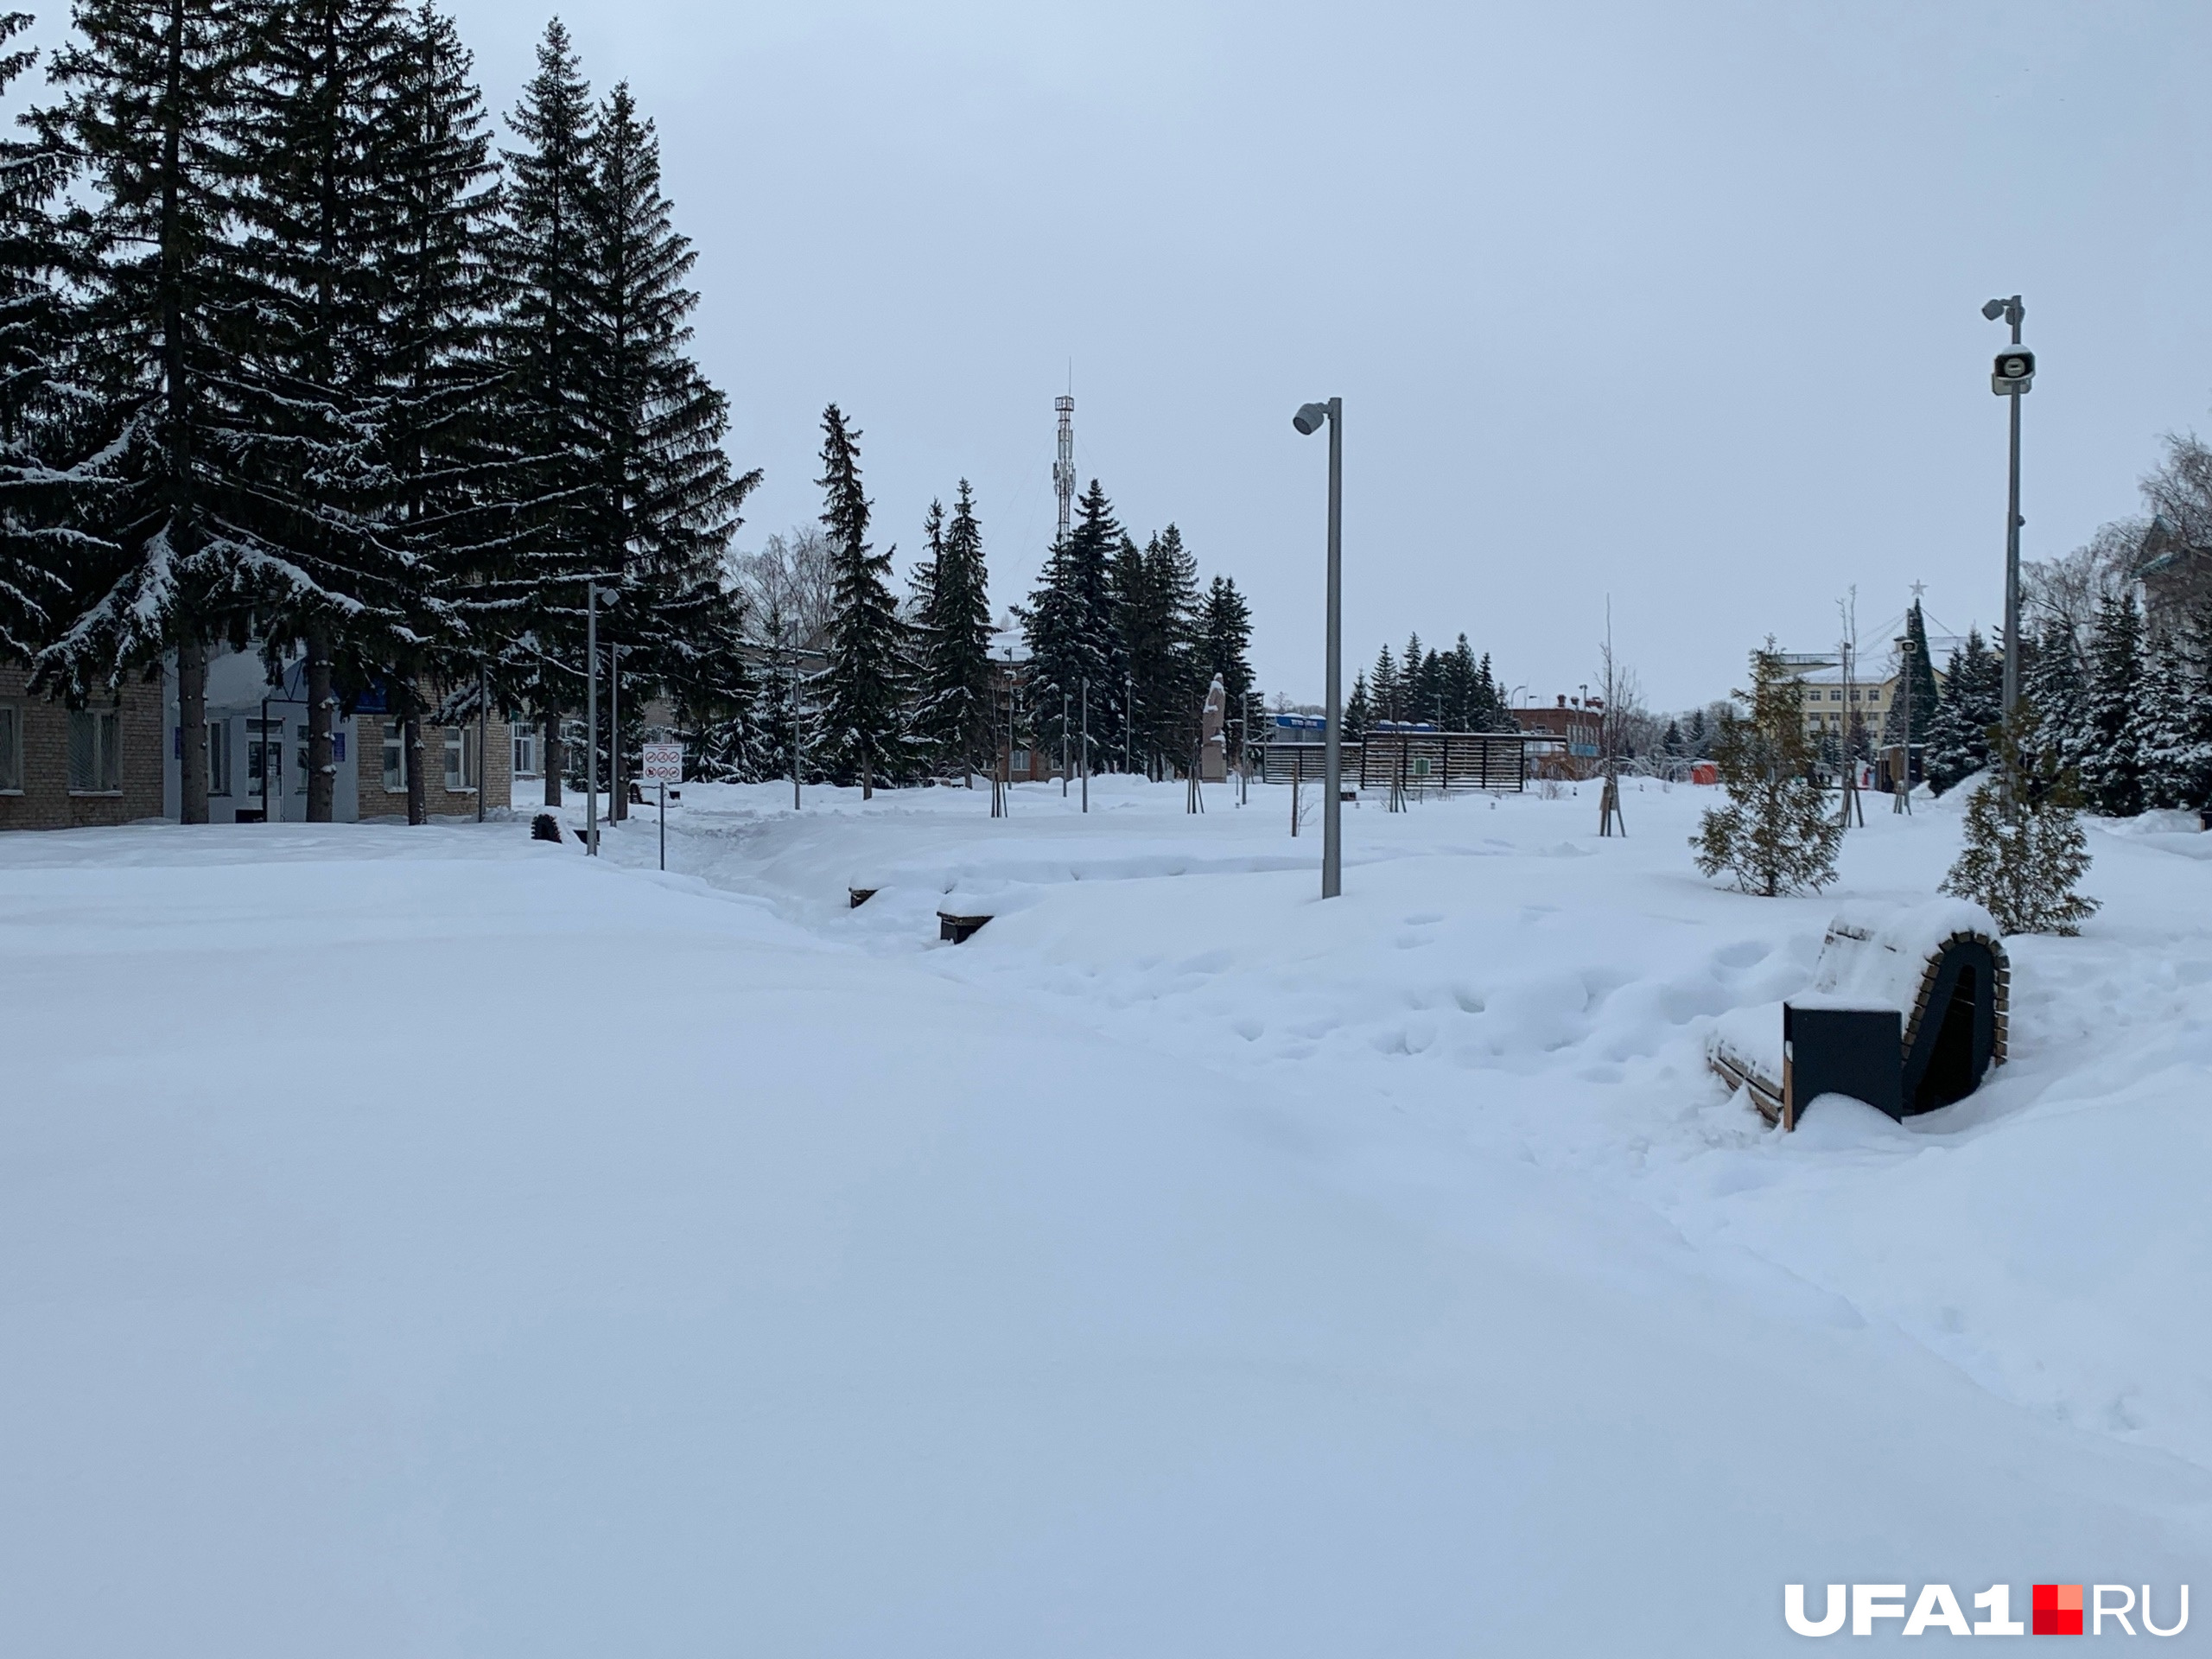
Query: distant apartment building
[1575, 727]
[1871, 692]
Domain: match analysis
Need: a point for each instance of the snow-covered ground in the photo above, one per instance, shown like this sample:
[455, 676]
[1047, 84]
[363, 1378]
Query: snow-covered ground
[431, 1242]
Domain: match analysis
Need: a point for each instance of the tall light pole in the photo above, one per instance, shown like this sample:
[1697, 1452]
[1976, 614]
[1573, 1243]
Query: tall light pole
[591, 717]
[1309, 421]
[2015, 372]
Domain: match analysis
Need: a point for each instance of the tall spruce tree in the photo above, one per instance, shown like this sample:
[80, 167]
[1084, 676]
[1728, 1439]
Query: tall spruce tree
[1916, 692]
[957, 622]
[543, 348]
[1457, 705]
[2051, 681]
[150, 112]
[1359, 708]
[2162, 721]
[1174, 685]
[864, 714]
[44, 516]
[320, 212]
[1383, 686]
[660, 501]
[2112, 760]
[1412, 689]
[1969, 710]
[1070, 621]
[444, 436]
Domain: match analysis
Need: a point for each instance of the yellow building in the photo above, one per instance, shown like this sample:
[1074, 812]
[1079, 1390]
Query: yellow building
[1829, 702]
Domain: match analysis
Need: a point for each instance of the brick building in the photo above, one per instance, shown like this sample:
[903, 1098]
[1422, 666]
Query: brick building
[63, 768]
[256, 739]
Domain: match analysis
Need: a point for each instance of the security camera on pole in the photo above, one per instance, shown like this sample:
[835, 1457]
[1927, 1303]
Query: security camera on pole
[1309, 421]
[2014, 373]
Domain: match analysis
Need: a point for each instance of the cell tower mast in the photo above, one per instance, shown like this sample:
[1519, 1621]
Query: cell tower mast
[1064, 468]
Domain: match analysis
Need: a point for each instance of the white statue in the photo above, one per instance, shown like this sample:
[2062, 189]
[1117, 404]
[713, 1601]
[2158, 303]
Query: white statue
[1213, 751]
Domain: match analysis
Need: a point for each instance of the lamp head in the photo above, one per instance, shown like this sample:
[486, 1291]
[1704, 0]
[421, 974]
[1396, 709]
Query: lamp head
[1993, 310]
[1310, 418]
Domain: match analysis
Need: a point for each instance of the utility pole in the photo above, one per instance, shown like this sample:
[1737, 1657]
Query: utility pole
[591, 717]
[1309, 421]
[1085, 762]
[2013, 374]
[1903, 801]
[618, 801]
[1064, 745]
[484, 739]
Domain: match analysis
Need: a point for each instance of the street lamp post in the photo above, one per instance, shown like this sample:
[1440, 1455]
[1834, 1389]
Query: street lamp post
[591, 718]
[2015, 373]
[1309, 421]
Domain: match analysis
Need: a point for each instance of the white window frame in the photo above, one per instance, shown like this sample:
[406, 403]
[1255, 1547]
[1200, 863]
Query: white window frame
[460, 760]
[524, 735]
[219, 775]
[395, 745]
[11, 748]
[104, 727]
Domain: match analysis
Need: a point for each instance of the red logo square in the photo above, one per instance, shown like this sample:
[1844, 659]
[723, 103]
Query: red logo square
[2056, 1610]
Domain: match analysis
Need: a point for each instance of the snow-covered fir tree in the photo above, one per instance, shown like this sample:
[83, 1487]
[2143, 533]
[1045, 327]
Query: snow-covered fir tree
[2166, 719]
[662, 501]
[2051, 684]
[544, 353]
[1457, 694]
[2024, 852]
[1777, 833]
[1958, 738]
[954, 618]
[319, 208]
[150, 107]
[2112, 757]
[865, 737]
[1383, 686]
[43, 413]
[1359, 706]
[1916, 696]
[1171, 688]
[444, 442]
[1069, 621]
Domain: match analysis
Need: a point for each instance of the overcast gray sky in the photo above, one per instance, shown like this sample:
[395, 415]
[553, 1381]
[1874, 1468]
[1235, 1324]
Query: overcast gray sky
[1677, 303]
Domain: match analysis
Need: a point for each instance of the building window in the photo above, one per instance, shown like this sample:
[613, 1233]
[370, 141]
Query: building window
[11, 748]
[460, 759]
[1018, 761]
[218, 757]
[299, 760]
[264, 756]
[1835, 696]
[395, 758]
[525, 739]
[95, 757]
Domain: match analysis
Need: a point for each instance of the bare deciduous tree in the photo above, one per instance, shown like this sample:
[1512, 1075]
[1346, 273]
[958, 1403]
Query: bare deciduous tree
[790, 588]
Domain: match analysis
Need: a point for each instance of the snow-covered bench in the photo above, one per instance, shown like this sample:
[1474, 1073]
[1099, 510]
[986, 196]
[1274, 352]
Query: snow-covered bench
[1940, 966]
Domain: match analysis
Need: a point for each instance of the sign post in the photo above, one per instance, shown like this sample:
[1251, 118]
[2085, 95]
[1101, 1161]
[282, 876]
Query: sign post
[663, 764]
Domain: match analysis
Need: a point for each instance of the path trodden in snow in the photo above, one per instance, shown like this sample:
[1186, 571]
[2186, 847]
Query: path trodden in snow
[431, 1243]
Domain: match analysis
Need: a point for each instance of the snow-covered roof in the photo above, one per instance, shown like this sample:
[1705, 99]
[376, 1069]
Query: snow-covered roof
[1008, 642]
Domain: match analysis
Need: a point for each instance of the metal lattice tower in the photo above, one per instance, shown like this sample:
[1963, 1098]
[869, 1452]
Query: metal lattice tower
[1064, 468]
